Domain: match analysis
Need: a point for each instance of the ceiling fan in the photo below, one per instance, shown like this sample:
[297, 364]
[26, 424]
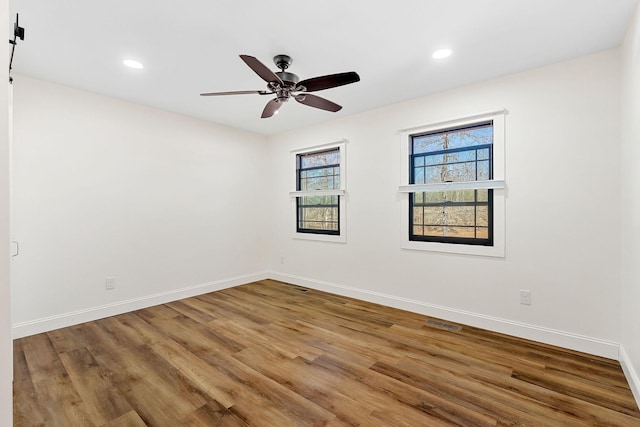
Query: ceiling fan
[285, 85]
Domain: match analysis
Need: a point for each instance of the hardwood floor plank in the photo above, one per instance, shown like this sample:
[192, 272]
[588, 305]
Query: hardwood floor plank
[199, 339]
[101, 400]
[67, 339]
[297, 377]
[154, 389]
[271, 354]
[473, 393]
[56, 393]
[603, 397]
[187, 308]
[130, 419]
[213, 414]
[27, 409]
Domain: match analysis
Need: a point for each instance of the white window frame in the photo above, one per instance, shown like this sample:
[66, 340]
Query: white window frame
[497, 184]
[342, 237]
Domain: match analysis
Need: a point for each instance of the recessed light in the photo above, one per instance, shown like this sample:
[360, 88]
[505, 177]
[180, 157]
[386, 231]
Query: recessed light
[441, 53]
[131, 63]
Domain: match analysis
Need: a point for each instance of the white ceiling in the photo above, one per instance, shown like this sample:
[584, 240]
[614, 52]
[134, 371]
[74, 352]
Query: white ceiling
[192, 46]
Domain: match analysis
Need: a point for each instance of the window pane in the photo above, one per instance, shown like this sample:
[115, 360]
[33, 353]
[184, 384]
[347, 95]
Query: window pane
[464, 232]
[484, 170]
[473, 136]
[482, 232]
[434, 159]
[427, 143]
[434, 174]
[322, 178]
[318, 200]
[435, 231]
[435, 197]
[324, 158]
[318, 218]
[439, 197]
[433, 216]
[453, 138]
[417, 215]
[459, 215]
[451, 215]
[482, 216]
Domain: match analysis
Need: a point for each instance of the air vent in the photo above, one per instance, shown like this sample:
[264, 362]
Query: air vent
[443, 325]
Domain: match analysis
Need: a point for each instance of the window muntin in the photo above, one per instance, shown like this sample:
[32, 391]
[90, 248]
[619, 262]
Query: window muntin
[462, 154]
[319, 214]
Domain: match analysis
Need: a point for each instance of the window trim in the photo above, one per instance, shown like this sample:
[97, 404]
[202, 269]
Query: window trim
[341, 192]
[497, 184]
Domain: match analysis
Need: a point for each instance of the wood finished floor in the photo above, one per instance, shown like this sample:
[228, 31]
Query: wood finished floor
[269, 354]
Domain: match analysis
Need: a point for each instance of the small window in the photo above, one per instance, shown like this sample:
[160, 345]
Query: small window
[462, 154]
[318, 172]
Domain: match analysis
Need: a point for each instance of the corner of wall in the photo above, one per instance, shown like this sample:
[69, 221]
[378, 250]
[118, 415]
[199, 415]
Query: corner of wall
[631, 374]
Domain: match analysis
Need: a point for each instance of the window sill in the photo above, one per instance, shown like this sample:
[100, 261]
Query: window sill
[478, 250]
[321, 237]
[313, 193]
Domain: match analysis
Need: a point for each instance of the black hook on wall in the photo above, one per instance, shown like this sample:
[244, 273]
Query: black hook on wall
[18, 33]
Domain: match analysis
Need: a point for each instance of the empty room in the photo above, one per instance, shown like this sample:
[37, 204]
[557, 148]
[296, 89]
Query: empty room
[419, 213]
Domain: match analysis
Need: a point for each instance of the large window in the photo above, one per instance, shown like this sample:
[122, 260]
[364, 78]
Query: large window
[320, 213]
[452, 186]
[462, 154]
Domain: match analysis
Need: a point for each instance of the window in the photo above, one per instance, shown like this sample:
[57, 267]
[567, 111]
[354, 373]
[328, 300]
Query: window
[319, 213]
[462, 154]
[320, 192]
[453, 195]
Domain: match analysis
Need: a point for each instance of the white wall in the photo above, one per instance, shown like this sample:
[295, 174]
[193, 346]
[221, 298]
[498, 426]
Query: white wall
[562, 213]
[6, 354]
[171, 206]
[630, 187]
[168, 205]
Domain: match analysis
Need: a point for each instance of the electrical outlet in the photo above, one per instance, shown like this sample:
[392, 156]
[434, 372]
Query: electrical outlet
[110, 283]
[281, 260]
[525, 297]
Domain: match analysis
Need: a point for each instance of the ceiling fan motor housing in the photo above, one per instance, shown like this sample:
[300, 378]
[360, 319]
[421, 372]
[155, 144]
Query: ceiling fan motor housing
[283, 62]
[289, 79]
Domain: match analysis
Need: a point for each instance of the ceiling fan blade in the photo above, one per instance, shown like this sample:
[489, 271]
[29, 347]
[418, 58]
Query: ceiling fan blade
[271, 108]
[260, 69]
[332, 80]
[237, 92]
[318, 102]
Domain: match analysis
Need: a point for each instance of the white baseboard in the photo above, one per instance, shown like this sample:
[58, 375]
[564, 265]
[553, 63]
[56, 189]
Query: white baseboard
[522, 330]
[545, 335]
[631, 374]
[37, 326]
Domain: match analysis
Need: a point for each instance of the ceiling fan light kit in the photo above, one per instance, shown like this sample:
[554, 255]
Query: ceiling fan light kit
[285, 85]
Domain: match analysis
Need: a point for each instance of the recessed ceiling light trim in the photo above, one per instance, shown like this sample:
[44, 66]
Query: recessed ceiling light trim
[132, 63]
[442, 53]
